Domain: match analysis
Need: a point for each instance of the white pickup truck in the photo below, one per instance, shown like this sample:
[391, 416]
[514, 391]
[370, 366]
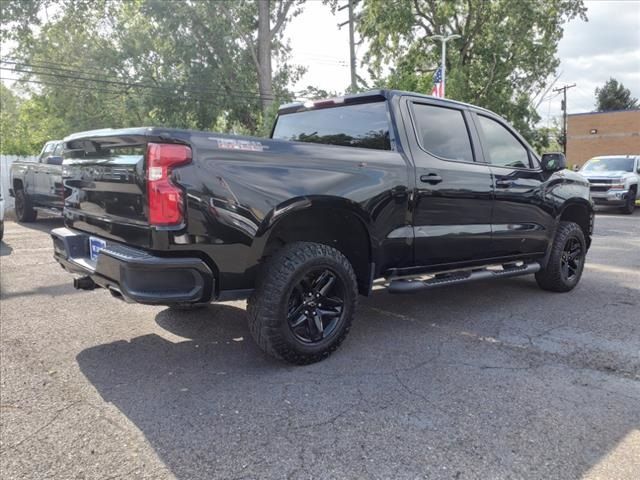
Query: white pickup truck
[614, 180]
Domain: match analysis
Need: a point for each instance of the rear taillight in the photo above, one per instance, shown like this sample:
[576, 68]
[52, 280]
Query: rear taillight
[166, 203]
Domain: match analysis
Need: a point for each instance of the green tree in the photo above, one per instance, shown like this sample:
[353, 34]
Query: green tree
[113, 63]
[614, 96]
[25, 124]
[503, 60]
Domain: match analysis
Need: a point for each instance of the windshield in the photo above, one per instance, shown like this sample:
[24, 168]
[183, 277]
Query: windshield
[609, 164]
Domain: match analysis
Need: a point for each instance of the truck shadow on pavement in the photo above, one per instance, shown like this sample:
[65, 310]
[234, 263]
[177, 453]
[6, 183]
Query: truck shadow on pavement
[44, 223]
[406, 396]
[48, 290]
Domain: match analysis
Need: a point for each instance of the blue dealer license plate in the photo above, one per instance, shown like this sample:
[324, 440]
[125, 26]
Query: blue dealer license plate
[95, 245]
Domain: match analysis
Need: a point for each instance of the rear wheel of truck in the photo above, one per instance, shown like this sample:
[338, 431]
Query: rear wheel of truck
[630, 206]
[24, 208]
[566, 261]
[303, 305]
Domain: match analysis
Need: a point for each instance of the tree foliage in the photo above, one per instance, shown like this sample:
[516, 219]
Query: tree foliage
[506, 53]
[614, 96]
[115, 63]
[25, 124]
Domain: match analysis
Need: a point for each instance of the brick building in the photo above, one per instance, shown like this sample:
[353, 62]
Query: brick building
[602, 133]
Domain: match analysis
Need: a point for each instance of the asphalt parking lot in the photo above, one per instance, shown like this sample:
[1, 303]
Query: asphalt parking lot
[484, 381]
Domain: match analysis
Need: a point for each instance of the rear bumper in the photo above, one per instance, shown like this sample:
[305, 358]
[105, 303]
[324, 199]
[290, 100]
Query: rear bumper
[134, 274]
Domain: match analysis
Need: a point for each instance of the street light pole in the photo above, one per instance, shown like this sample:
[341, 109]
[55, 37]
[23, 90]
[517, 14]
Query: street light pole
[444, 39]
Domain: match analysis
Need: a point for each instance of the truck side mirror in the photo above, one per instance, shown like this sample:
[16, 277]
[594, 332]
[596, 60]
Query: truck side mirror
[54, 160]
[552, 162]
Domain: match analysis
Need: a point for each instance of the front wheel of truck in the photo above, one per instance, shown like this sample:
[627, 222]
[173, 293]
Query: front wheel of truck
[566, 260]
[303, 305]
[630, 205]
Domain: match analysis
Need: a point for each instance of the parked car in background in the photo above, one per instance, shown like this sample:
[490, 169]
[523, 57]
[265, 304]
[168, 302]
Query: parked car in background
[37, 184]
[614, 180]
[418, 191]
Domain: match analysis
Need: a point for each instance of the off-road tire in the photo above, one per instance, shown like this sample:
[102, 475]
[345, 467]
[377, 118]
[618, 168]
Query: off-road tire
[267, 307]
[631, 202]
[24, 208]
[551, 277]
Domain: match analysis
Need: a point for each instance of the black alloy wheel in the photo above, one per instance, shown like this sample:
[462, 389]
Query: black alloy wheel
[304, 302]
[316, 306]
[571, 260]
[563, 269]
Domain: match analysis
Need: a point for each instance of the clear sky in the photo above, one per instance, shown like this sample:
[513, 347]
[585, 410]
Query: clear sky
[608, 45]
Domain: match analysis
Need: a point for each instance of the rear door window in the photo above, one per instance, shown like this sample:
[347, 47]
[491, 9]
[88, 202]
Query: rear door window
[364, 125]
[443, 132]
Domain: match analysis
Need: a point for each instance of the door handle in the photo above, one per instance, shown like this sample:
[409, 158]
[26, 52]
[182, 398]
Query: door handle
[431, 178]
[504, 183]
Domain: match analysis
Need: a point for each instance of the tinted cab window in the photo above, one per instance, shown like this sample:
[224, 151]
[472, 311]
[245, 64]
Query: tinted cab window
[501, 146]
[443, 132]
[362, 125]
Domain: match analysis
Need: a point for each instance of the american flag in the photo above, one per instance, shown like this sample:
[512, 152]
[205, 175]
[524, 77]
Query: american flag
[438, 88]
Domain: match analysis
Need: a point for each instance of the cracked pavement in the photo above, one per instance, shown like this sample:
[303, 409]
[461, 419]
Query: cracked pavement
[493, 380]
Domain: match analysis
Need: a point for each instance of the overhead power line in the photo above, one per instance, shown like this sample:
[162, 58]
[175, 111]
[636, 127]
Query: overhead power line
[92, 89]
[81, 70]
[78, 76]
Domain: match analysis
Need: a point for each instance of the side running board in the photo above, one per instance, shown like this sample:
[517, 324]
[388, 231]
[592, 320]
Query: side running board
[456, 278]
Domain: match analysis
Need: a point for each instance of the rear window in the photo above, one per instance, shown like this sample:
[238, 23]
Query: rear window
[93, 151]
[363, 125]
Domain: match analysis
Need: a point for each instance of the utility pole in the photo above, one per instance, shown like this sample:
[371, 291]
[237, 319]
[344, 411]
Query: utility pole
[444, 39]
[564, 114]
[352, 50]
[352, 42]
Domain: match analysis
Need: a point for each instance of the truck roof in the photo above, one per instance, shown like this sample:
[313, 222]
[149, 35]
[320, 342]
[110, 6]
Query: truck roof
[362, 97]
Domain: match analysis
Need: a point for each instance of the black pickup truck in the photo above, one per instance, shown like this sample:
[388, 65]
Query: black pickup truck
[398, 188]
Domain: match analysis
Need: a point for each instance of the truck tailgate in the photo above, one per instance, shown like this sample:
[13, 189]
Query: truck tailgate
[105, 186]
